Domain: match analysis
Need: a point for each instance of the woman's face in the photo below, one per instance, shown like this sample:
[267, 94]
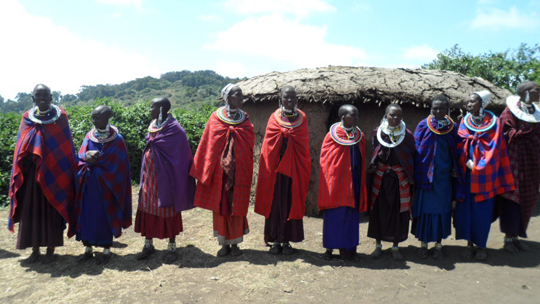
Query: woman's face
[235, 98]
[351, 119]
[394, 117]
[474, 104]
[439, 109]
[289, 99]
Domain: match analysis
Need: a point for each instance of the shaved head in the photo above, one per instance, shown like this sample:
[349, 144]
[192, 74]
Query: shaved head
[102, 110]
[392, 106]
[287, 88]
[525, 86]
[162, 102]
[41, 87]
[346, 109]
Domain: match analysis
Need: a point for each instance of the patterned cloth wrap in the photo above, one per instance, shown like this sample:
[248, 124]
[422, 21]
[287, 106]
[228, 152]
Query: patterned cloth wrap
[207, 167]
[54, 155]
[491, 173]
[405, 152]
[172, 160]
[523, 140]
[295, 163]
[112, 167]
[335, 178]
[426, 147]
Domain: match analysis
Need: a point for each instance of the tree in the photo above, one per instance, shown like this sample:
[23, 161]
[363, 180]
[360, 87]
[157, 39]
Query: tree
[505, 69]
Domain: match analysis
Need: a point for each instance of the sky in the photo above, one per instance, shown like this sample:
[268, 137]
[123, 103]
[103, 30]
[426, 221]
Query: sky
[66, 44]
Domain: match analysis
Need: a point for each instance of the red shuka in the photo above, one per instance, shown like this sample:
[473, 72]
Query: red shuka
[295, 163]
[207, 168]
[335, 177]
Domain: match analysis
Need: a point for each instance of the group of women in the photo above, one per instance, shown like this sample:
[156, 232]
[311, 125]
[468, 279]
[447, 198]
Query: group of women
[484, 166]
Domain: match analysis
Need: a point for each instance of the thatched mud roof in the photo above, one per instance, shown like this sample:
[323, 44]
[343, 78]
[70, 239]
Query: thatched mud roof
[371, 85]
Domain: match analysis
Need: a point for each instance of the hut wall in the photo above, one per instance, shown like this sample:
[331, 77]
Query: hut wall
[318, 120]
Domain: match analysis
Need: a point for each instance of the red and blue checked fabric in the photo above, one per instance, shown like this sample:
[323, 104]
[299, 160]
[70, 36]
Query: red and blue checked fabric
[491, 173]
[335, 176]
[51, 147]
[426, 147]
[295, 163]
[404, 186]
[207, 167]
[523, 142]
[113, 169]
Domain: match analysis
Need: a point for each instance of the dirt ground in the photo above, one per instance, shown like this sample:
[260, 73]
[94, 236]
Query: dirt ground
[258, 277]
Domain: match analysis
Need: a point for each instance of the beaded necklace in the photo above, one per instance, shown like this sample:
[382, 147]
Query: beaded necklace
[103, 137]
[154, 127]
[353, 137]
[396, 135]
[225, 117]
[436, 130]
[469, 123]
[287, 124]
[53, 110]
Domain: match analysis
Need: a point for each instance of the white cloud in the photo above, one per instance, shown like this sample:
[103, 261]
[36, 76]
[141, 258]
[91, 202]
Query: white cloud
[497, 18]
[230, 69]
[299, 8]
[420, 52]
[35, 50]
[361, 6]
[137, 4]
[278, 38]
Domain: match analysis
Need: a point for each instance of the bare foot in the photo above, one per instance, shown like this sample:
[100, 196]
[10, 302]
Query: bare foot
[287, 249]
[235, 250]
[520, 245]
[510, 247]
[481, 254]
[225, 250]
[170, 257]
[275, 249]
[397, 255]
[34, 257]
[85, 257]
[104, 259]
[422, 253]
[467, 254]
[437, 253]
[376, 253]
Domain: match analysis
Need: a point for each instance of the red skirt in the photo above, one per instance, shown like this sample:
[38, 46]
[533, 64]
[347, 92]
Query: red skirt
[230, 229]
[152, 226]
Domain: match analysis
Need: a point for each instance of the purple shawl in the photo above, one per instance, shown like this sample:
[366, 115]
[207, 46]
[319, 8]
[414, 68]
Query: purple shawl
[172, 160]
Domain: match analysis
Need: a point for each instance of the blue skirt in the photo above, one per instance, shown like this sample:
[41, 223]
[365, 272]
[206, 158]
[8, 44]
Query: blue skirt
[95, 228]
[473, 220]
[341, 228]
[432, 209]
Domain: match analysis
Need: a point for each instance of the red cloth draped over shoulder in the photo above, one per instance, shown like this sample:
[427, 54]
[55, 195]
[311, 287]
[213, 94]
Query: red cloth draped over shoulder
[51, 146]
[335, 177]
[295, 163]
[207, 168]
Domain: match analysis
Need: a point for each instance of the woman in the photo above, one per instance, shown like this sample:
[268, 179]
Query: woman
[284, 172]
[342, 189]
[223, 166]
[392, 165]
[484, 157]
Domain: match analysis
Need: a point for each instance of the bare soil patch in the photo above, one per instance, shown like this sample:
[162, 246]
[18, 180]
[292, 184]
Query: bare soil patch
[258, 277]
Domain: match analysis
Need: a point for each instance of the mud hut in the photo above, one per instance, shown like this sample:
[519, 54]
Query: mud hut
[322, 91]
